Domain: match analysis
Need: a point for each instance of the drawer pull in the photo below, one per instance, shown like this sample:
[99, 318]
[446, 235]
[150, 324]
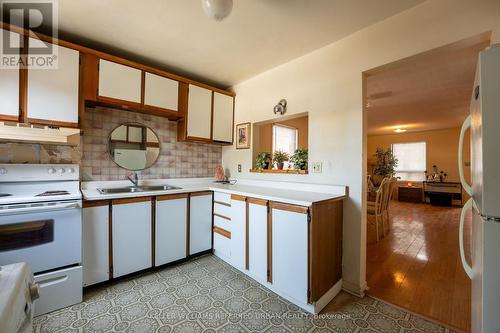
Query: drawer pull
[52, 281]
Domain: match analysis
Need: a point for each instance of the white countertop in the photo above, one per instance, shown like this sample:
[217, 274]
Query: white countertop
[253, 189]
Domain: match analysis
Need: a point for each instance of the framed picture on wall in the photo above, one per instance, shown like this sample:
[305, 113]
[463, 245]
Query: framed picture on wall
[243, 136]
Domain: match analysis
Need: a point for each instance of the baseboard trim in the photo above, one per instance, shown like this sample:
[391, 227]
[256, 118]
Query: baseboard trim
[355, 289]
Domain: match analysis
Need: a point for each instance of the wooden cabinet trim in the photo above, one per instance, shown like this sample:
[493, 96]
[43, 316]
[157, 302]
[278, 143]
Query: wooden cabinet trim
[222, 232]
[172, 196]
[51, 123]
[238, 197]
[256, 201]
[188, 225]
[200, 193]
[247, 236]
[222, 203]
[289, 207]
[222, 216]
[122, 201]
[95, 203]
[269, 245]
[110, 240]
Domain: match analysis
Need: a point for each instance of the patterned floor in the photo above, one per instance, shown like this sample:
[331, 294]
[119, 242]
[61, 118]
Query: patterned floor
[207, 295]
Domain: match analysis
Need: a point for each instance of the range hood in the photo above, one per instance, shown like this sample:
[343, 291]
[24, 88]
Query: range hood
[26, 133]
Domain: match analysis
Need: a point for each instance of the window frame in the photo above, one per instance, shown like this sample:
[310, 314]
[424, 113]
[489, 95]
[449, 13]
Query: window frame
[411, 175]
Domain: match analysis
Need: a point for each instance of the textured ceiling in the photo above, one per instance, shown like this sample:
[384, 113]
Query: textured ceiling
[426, 92]
[257, 36]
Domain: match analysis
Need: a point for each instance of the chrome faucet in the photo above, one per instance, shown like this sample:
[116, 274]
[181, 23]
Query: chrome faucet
[134, 179]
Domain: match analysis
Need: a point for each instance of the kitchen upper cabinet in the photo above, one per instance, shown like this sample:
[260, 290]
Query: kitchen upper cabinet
[290, 250]
[95, 239]
[171, 228]
[223, 118]
[119, 82]
[257, 238]
[53, 93]
[238, 231]
[200, 222]
[199, 113]
[131, 225]
[9, 84]
[161, 92]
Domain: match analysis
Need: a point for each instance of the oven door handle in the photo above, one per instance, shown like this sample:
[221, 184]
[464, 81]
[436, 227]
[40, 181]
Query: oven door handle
[40, 209]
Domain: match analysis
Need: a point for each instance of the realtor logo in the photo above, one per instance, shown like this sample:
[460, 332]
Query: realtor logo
[32, 53]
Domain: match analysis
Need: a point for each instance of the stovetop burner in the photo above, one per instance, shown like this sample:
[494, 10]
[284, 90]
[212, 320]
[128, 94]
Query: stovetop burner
[51, 193]
[5, 195]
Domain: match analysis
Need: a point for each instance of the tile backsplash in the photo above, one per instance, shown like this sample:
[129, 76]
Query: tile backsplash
[176, 160]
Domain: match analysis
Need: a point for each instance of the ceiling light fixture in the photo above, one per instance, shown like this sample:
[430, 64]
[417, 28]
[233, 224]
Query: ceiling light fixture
[217, 9]
[400, 130]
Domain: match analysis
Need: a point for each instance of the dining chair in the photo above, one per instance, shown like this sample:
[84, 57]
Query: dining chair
[375, 208]
[386, 210]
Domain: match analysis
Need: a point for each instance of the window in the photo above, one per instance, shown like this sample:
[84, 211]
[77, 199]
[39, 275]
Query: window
[284, 139]
[411, 160]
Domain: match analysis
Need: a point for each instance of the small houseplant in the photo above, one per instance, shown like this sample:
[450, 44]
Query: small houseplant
[280, 157]
[263, 160]
[386, 163]
[299, 159]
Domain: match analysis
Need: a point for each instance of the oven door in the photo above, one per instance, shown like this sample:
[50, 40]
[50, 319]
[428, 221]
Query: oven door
[45, 235]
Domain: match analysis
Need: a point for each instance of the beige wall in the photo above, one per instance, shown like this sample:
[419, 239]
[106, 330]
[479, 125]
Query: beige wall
[264, 135]
[442, 149]
[327, 84]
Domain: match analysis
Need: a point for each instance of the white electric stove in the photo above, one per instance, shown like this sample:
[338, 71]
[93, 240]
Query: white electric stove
[41, 224]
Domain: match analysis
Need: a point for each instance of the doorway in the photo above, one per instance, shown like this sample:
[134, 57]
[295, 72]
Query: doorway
[414, 110]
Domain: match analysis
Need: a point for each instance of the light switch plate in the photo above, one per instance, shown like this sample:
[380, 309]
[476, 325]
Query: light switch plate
[317, 167]
[239, 167]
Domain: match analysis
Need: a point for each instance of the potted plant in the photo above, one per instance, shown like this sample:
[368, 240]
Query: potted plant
[263, 160]
[280, 157]
[299, 159]
[385, 164]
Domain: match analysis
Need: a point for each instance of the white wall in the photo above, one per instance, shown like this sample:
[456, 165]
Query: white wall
[327, 83]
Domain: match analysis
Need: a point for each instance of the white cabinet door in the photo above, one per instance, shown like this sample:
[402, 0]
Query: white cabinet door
[9, 82]
[199, 116]
[161, 92]
[289, 253]
[95, 252]
[200, 223]
[238, 233]
[223, 118]
[257, 241]
[53, 93]
[171, 233]
[119, 81]
[131, 237]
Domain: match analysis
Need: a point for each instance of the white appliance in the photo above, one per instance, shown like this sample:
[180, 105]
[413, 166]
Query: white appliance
[17, 293]
[41, 224]
[484, 122]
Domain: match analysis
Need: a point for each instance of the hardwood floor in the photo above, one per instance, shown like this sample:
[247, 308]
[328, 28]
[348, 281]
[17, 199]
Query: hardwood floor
[417, 264]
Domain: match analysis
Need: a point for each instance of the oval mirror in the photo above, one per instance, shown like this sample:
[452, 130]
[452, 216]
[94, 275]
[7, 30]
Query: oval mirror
[134, 146]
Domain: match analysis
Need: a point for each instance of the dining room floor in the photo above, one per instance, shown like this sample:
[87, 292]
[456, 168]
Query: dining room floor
[417, 264]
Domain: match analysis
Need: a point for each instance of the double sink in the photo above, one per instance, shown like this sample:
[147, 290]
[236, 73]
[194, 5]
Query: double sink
[134, 189]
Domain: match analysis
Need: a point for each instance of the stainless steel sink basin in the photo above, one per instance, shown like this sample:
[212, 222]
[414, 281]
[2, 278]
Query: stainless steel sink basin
[159, 188]
[115, 190]
[133, 189]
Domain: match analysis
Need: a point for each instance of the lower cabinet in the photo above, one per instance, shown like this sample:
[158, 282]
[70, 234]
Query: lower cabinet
[171, 228]
[95, 240]
[257, 239]
[289, 251]
[200, 222]
[131, 235]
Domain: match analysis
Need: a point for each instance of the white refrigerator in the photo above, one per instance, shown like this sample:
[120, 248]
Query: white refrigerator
[484, 124]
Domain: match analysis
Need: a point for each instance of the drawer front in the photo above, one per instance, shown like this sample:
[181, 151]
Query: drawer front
[59, 289]
[222, 210]
[222, 223]
[222, 197]
[222, 247]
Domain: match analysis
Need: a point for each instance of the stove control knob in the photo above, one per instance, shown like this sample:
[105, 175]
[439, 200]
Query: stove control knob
[71, 170]
[61, 171]
[3, 171]
[51, 170]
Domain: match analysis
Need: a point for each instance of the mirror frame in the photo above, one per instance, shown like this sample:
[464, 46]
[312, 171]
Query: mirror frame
[137, 125]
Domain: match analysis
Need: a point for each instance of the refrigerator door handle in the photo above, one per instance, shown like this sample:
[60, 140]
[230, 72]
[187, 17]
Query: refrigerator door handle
[465, 126]
[467, 268]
